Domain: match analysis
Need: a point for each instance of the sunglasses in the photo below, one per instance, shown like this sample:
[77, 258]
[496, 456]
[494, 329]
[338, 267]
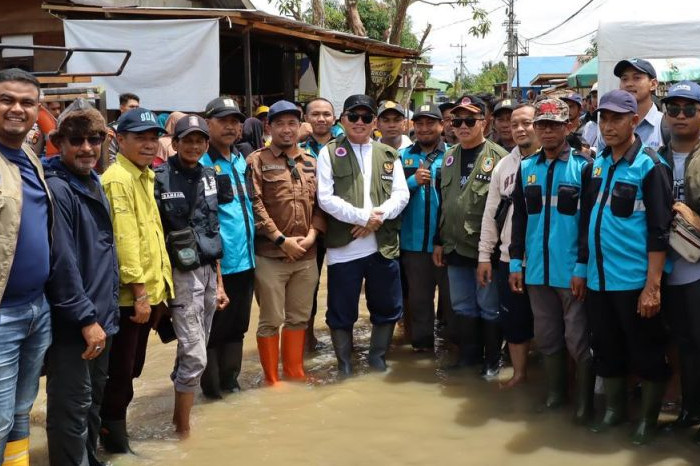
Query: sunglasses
[295, 173]
[470, 122]
[365, 117]
[77, 141]
[689, 110]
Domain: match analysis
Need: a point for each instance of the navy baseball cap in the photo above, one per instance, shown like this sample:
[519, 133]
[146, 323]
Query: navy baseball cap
[446, 106]
[390, 105]
[573, 97]
[427, 110]
[618, 101]
[683, 90]
[138, 120]
[636, 63]
[360, 100]
[222, 107]
[504, 104]
[280, 108]
[471, 103]
[190, 124]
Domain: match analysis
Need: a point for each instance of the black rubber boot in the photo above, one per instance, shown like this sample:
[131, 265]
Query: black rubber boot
[652, 394]
[230, 359]
[342, 344]
[469, 341]
[379, 343]
[555, 370]
[114, 438]
[210, 383]
[493, 341]
[585, 386]
[615, 403]
[689, 415]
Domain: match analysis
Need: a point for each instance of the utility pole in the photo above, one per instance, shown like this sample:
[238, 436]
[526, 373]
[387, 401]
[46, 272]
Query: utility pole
[511, 44]
[462, 66]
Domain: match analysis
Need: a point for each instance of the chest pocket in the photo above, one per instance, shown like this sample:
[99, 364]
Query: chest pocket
[533, 198]
[623, 198]
[567, 199]
[224, 189]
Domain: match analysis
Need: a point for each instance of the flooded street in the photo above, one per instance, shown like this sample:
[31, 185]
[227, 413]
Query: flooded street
[415, 414]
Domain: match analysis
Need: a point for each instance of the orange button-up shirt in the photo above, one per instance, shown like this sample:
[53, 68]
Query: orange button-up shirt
[281, 200]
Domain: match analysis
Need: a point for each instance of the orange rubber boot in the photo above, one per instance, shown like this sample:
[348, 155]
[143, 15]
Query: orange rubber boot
[293, 353]
[269, 351]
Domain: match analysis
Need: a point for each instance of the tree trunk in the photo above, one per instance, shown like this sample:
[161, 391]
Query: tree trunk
[397, 23]
[318, 13]
[354, 21]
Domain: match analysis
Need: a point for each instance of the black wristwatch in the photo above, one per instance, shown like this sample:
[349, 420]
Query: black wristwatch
[280, 240]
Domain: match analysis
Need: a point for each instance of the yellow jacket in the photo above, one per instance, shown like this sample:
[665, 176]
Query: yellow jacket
[138, 232]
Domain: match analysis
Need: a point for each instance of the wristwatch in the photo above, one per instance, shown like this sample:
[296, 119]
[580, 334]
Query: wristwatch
[280, 240]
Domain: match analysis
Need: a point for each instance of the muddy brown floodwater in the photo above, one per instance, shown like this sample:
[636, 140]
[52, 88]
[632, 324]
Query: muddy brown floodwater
[415, 414]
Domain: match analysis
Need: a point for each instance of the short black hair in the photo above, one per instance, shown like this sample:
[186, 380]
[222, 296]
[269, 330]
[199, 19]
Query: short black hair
[316, 99]
[126, 97]
[18, 75]
[523, 105]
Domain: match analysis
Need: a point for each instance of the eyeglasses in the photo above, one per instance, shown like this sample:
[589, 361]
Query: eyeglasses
[470, 122]
[77, 141]
[292, 164]
[365, 117]
[689, 110]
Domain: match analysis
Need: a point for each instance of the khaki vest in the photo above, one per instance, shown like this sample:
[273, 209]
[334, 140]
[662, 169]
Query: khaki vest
[11, 210]
[348, 184]
[463, 207]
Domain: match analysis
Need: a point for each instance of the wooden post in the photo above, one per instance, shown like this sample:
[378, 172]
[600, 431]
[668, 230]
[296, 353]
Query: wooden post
[247, 67]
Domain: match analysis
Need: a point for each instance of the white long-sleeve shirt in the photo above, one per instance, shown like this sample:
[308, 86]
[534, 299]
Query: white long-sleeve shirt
[502, 184]
[344, 211]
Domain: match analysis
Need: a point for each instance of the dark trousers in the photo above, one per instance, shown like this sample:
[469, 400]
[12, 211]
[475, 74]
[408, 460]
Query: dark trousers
[423, 277]
[681, 304]
[231, 324]
[74, 391]
[622, 341]
[320, 255]
[126, 360]
[515, 311]
[382, 289]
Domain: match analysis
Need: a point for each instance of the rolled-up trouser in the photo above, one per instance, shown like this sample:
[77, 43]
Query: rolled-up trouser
[74, 390]
[560, 321]
[382, 280]
[25, 334]
[470, 299]
[192, 313]
[624, 342]
[423, 277]
[285, 293]
[126, 360]
[516, 313]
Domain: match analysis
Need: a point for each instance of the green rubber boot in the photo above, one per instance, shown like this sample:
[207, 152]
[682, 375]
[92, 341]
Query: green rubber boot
[555, 369]
[652, 394]
[615, 403]
[585, 385]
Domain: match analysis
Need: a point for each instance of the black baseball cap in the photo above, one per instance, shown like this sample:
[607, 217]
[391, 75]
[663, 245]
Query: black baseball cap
[618, 101]
[504, 104]
[427, 110]
[281, 107]
[470, 103]
[390, 105]
[221, 107]
[138, 120]
[636, 63]
[360, 100]
[191, 124]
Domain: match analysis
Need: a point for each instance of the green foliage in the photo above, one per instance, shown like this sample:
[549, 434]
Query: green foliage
[590, 53]
[490, 74]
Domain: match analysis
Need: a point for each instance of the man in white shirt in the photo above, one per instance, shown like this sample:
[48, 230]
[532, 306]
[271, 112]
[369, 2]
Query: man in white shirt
[362, 188]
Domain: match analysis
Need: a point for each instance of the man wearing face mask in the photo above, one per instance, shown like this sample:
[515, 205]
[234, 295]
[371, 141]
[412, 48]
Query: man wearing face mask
[144, 267]
[362, 188]
[464, 186]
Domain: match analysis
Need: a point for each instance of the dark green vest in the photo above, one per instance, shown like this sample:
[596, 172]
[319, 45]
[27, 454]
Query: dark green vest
[348, 184]
[463, 207]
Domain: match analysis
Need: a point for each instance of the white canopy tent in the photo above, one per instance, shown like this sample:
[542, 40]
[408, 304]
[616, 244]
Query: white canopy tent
[670, 31]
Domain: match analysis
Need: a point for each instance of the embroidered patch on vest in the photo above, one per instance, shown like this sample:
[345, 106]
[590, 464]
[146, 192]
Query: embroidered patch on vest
[209, 185]
[598, 171]
[175, 195]
[267, 168]
[217, 169]
[482, 177]
[388, 167]
[341, 152]
[487, 164]
[449, 161]
[531, 179]
[387, 177]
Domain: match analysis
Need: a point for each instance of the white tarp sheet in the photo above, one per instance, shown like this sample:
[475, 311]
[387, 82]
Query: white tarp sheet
[174, 63]
[668, 32]
[340, 76]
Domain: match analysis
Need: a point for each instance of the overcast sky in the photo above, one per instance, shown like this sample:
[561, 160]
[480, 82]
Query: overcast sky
[450, 25]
